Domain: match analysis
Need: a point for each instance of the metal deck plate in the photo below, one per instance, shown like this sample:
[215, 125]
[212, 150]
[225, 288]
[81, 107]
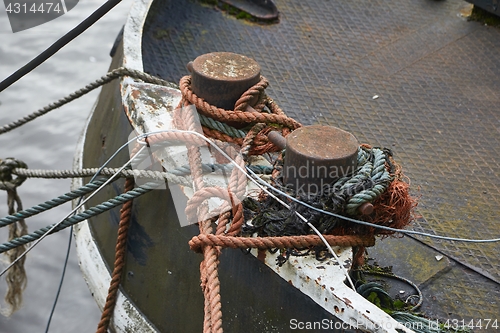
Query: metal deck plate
[436, 74]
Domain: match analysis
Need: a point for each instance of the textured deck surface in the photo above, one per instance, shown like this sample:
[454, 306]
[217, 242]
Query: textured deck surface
[437, 77]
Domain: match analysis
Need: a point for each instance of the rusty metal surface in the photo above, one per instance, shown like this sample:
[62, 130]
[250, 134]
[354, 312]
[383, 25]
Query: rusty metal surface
[318, 155]
[220, 78]
[436, 76]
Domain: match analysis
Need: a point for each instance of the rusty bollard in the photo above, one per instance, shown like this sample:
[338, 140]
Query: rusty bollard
[316, 156]
[220, 78]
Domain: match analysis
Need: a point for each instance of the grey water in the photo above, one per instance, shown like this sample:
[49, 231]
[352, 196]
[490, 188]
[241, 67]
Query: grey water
[49, 143]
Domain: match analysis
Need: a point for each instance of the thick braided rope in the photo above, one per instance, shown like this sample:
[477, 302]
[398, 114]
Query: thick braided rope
[238, 183]
[273, 106]
[379, 174]
[120, 251]
[200, 196]
[208, 243]
[116, 73]
[241, 117]
[101, 208]
[180, 172]
[209, 266]
[249, 139]
[253, 96]
[215, 134]
[78, 173]
[23, 214]
[175, 138]
[221, 127]
[7, 182]
[283, 242]
[237, 188]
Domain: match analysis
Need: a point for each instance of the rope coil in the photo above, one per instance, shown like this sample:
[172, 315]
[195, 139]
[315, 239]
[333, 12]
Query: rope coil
[276, 119]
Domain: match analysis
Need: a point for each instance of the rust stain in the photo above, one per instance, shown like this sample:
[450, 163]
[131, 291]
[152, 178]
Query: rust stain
[261, 255]
[347, 301]
[136, 94]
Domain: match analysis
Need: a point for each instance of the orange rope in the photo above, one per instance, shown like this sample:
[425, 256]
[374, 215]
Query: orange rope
[120, 251]
[197, 243]
[241, 117]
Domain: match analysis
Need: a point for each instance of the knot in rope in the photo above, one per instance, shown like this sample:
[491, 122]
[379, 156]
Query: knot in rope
[7, 182]
[249, 110]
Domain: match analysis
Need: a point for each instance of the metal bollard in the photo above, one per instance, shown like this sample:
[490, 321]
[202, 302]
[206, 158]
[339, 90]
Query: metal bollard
[220, 78]
[316, 156]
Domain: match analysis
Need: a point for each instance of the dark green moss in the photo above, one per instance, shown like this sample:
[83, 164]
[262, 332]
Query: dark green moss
[235, 12]
[483, 16]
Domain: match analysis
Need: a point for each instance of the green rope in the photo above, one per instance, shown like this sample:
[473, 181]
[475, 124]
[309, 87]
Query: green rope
[378, 174]
[221, 127]
[96, 210]
[90, 187]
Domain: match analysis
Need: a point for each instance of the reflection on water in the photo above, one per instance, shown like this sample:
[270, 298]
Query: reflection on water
[49, 143]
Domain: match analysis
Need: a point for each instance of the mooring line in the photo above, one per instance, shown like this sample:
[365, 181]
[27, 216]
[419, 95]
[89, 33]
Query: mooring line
[74, 210]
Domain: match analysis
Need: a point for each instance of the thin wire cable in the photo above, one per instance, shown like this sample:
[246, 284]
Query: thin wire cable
[403, 231]
[63, 273]
[68, 215]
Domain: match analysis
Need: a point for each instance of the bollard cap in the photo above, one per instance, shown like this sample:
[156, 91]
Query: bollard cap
[220, 78]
